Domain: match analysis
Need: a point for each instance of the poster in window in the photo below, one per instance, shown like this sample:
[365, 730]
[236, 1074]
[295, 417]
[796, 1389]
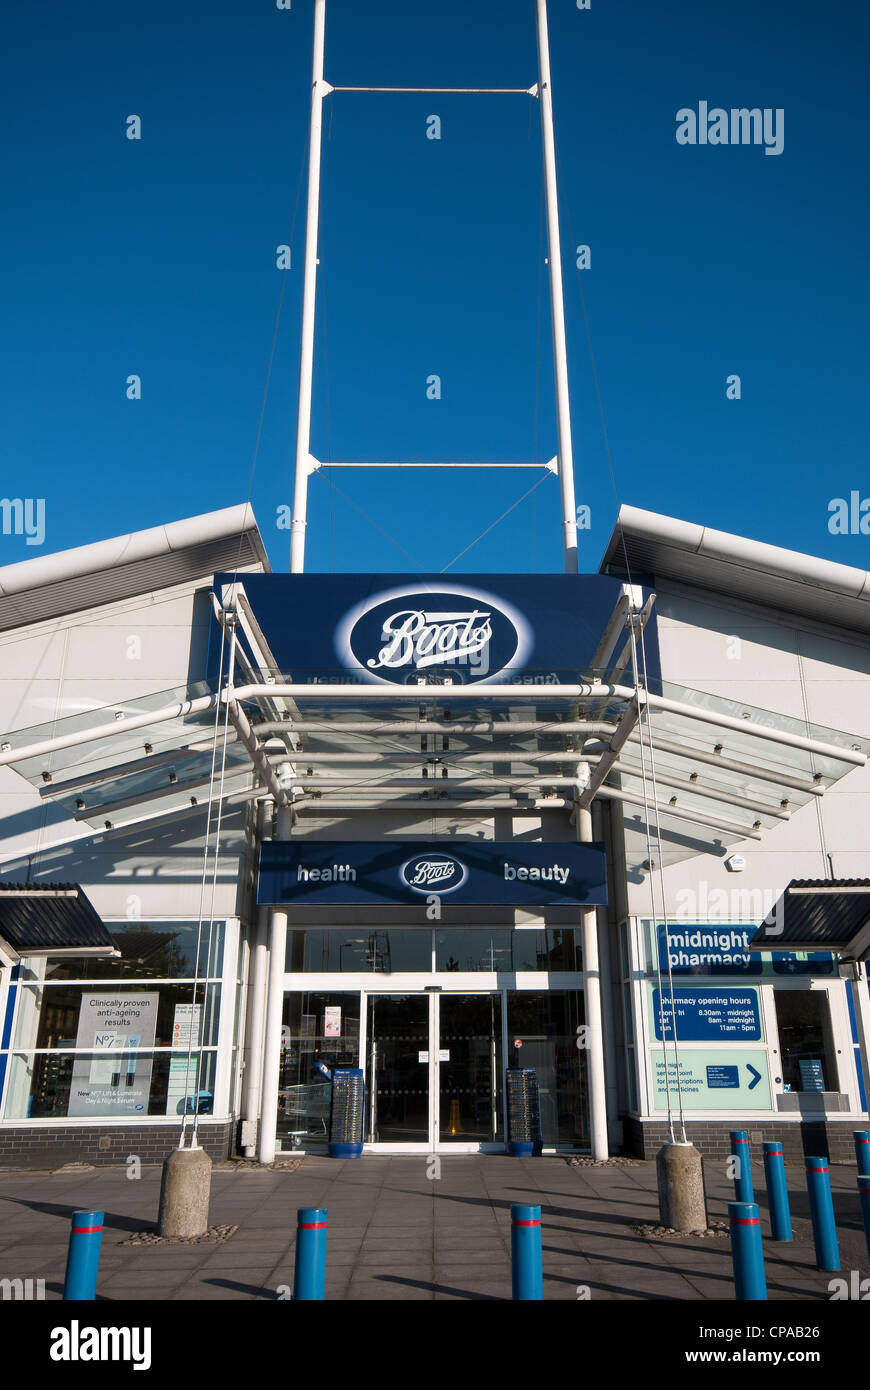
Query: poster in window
[116, 1078]
[332, 1021]
[184, 1069]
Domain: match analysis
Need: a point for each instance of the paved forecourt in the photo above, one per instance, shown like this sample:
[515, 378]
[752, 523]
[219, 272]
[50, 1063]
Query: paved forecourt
[397, 1232]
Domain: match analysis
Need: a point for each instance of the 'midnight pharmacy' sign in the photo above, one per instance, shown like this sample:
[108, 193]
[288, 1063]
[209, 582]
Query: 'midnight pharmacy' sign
[311, 873]
[714, 948]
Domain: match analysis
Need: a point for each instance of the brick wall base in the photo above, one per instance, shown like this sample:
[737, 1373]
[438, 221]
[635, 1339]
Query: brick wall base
[52, 1146]
[829, 1138]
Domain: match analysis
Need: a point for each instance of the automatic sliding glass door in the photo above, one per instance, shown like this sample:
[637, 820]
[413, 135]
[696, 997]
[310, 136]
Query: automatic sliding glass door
[397, 1074]
[469, 1069]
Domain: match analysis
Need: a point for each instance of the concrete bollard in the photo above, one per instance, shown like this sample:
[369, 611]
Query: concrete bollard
[682, 1202]
[184, 1193]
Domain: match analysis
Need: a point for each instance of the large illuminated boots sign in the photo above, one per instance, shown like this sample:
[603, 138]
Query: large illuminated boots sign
[539, 629]
[313, 873]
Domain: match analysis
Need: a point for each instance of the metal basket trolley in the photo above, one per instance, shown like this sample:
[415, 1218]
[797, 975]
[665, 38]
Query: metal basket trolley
[306, 1110]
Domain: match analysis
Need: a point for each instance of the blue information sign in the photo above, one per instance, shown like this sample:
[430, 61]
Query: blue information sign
[311, 873]
[714, 948]
[812, 1073]
[723, 1078]
[708, 1015]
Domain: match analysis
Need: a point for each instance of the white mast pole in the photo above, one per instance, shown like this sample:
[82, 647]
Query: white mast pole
[557, 305]
[319, 88]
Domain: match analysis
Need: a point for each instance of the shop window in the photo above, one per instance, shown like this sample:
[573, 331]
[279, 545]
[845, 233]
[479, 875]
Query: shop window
[547, 1025]
[107, 1084]
[149, 951]
[318, 1030]
[88, 1032]
[807, 1052]
[351, 951]
[506, 951]
[68, 1015]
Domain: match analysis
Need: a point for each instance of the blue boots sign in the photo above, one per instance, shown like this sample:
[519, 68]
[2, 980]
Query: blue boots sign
[312, 873]
[538, 629]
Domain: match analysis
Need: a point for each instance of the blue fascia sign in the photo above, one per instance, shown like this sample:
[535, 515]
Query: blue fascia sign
[538, 629]
[722, 948]
[313, 873]
[707, 1015]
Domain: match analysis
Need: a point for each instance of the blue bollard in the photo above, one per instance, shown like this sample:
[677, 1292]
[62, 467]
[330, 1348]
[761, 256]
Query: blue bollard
[747, 1255]
[83, 1257]
[743, 1182]
[862, 1151]
[527, 1272]
[309, 1278]
[777, 1191]
[864, 1194]
[822, 1213]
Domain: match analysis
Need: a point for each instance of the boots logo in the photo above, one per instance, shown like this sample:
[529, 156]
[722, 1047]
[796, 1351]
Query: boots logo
[433, 873]
[416, 635]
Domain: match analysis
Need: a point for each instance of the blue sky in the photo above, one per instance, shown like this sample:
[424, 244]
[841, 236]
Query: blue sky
[157, 257]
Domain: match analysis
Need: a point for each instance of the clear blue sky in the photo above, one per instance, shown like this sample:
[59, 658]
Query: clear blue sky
[157, 257]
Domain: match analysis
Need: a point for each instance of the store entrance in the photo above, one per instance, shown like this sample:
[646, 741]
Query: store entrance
[434, 1070]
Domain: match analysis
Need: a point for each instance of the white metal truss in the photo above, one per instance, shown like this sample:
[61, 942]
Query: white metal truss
[306, 464]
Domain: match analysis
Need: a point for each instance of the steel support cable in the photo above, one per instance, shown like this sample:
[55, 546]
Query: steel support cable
[217, 848]
[498, 519]
[595, 379]
[374, 523]
[271, 359]
[324, 319]
[204, 876]
[661, 872]
[651, 862]
[538, 336]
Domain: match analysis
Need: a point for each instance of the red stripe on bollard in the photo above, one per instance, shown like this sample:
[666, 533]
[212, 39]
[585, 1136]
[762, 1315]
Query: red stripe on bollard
[311, 1226]
[526, 1223]
[818, 1170]
[745, 1221]
[85, 1230]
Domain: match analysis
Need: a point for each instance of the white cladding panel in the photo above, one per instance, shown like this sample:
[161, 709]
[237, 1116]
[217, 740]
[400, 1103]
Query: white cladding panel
[84, 662]
[773, 664]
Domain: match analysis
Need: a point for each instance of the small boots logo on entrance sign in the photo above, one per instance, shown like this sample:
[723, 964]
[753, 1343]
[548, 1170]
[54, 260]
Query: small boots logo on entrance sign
[427, 873]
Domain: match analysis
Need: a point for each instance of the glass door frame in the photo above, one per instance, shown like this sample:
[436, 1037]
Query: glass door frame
[433, 985]
[435, 1143]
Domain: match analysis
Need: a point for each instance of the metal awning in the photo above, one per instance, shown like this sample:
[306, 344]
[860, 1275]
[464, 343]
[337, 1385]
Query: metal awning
[55, 919]
[821, 915]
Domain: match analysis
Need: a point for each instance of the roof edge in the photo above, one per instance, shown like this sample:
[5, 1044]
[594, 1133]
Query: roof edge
[27, 575]
[708, 543]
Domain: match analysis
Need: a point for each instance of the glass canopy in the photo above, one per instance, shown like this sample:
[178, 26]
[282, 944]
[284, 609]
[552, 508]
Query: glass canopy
[702, 771]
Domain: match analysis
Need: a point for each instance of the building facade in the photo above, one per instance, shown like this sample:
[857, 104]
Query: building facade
[431, 831]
